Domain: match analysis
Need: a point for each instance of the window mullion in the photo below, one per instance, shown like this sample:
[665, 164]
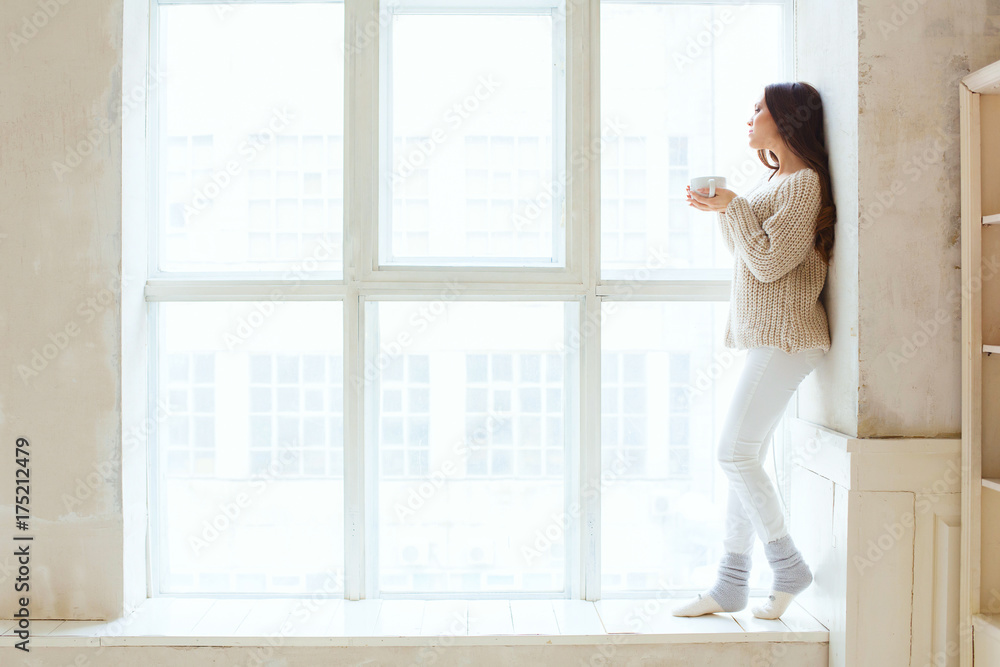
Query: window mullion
[361, 93]
[590, 448]
[582, 204]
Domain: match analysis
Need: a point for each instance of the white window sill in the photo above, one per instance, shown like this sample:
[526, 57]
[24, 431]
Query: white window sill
[338, 622]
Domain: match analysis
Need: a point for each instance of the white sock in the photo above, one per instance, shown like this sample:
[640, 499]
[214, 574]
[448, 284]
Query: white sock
[775, 605]
[703, 604]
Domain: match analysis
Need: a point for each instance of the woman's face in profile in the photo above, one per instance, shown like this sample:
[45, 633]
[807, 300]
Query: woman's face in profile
[763, 131]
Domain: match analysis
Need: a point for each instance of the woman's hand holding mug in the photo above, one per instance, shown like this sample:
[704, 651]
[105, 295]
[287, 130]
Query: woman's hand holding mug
[701, 199]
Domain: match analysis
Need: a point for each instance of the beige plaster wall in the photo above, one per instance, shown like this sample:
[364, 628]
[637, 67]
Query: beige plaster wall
[911, 57]
[60, 254]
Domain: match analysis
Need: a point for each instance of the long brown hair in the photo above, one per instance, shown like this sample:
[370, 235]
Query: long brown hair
[797, 110]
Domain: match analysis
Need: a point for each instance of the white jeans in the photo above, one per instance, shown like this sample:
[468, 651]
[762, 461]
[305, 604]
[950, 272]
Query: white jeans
[769, 378]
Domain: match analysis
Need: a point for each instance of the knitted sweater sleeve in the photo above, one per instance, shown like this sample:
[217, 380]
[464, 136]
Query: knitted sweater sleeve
[773, 247]
[724, 228]
[727, 236]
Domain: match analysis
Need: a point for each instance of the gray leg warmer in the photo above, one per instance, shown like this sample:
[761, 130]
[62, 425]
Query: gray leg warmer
[791, 574]
[731, 590]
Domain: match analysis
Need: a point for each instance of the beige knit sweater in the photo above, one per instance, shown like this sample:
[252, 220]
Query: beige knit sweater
[778, 274]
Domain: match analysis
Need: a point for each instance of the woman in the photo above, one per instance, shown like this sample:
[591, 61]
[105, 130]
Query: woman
[781, 235]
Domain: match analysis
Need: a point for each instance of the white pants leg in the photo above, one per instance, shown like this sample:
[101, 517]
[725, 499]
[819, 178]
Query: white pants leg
[739, 528]
[770, 376]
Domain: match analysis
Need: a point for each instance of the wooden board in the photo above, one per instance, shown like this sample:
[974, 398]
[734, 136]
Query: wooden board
[989, 274]
[991, 416]
[989, 114]
[989, 592]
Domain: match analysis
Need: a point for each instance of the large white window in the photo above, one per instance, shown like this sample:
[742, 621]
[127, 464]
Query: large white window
[429, 315]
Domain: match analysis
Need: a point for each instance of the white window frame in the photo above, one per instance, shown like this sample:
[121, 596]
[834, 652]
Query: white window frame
[364, 279]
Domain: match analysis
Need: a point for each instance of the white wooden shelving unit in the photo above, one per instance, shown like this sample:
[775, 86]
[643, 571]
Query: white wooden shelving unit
[979, 98]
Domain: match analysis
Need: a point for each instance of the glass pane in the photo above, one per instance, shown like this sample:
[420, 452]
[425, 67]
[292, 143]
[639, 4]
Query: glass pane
[470, 478]
[669, 380]
[251, 138]
[251, 451]
[682, 114]
[472, 144]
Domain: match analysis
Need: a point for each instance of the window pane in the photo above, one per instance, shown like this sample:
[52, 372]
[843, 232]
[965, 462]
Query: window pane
[683, 113]
[472, 144]
[470, 480]
[251, 139]
[251, 451]
[670, 380]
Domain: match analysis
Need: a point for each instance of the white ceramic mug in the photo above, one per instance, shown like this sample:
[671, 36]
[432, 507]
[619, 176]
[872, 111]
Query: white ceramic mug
[708, 182]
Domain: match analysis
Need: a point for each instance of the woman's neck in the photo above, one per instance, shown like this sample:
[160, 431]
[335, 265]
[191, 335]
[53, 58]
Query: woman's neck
[788, 162]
